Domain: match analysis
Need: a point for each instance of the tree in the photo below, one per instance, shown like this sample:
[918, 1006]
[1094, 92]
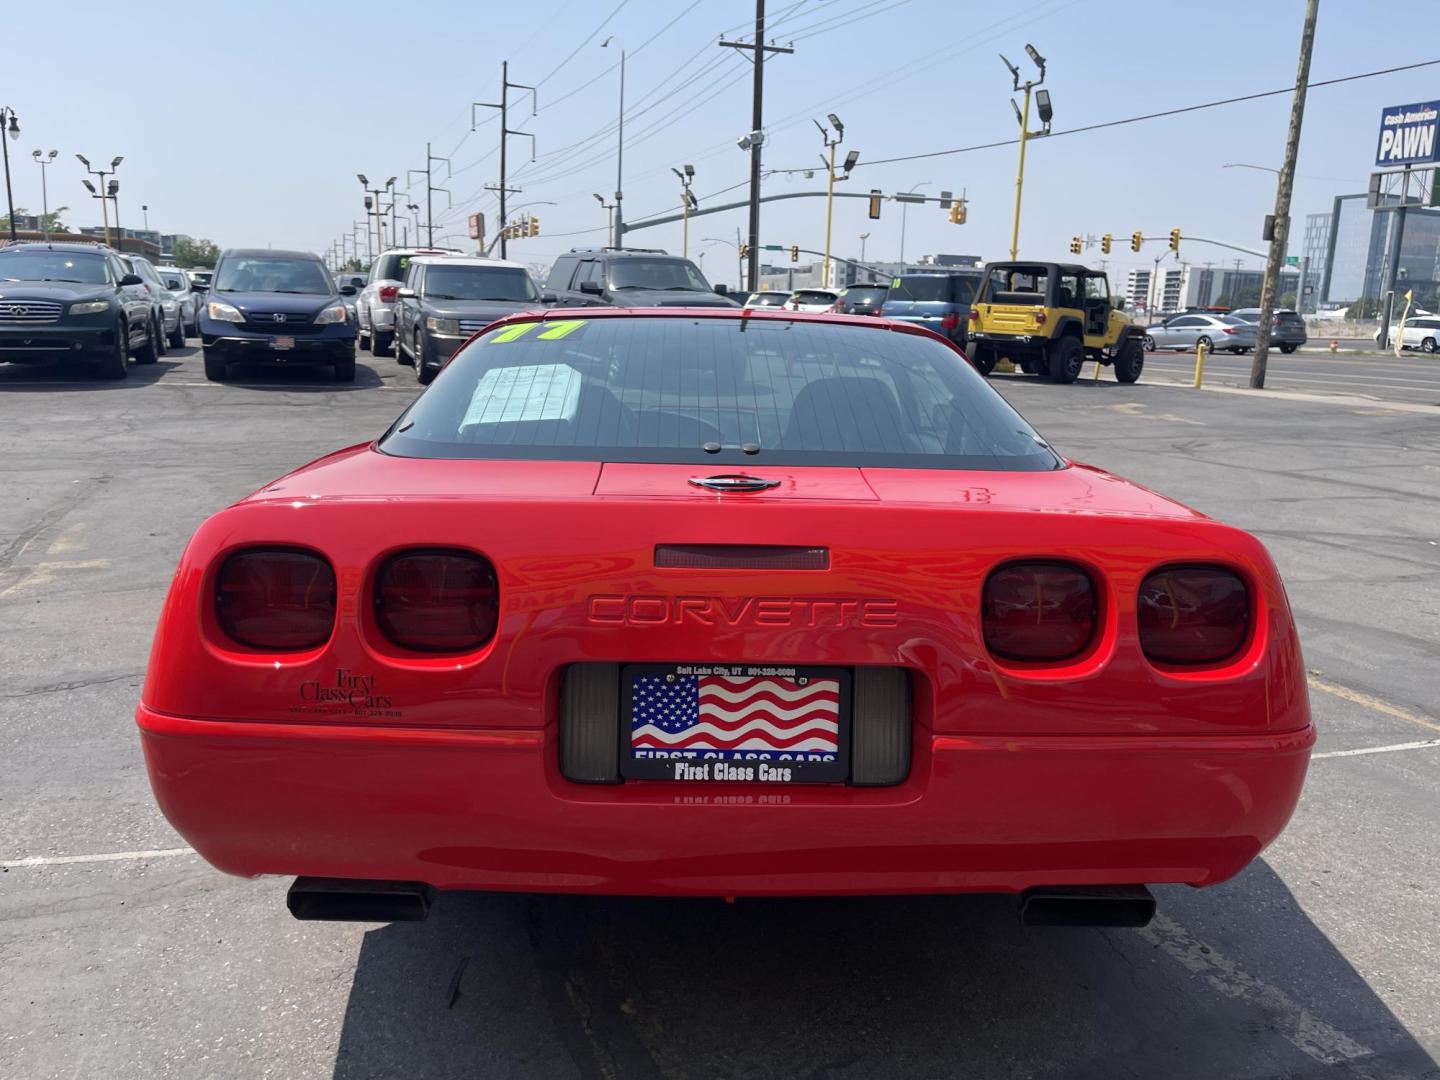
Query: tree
[49, 222]
[190, 252]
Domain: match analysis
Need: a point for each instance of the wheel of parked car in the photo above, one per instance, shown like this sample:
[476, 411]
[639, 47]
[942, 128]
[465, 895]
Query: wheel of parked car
[150, 351]
[425, 371]
[983, 357]
[1129, 361]
[1067, 357]
[382, 343]
[1288, 348]
[115, 364]
[177, 339]
[1204, 339]
[216, 369]
[1149, 343]
[1428, 345]
[157, 331]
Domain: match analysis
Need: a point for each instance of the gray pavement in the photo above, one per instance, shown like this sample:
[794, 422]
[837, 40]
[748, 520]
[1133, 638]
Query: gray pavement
[1323, 958]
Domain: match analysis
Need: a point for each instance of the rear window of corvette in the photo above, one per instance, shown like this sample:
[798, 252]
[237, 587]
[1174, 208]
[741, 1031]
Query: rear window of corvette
[715, 391]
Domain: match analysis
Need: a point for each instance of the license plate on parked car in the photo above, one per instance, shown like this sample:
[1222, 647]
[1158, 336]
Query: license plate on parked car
[735, 722]
[284, 342]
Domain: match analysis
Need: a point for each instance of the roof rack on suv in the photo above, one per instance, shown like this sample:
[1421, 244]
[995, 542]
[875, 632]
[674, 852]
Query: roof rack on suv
[639, 251]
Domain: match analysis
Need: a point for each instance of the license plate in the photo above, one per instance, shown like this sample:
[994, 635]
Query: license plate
[735, 723]
[284, 342]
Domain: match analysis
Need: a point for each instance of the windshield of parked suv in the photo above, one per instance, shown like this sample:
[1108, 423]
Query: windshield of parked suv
[747, 392]
[171, 280]
[273, 274]
[45, 265]
[639, 273]
[478, 283]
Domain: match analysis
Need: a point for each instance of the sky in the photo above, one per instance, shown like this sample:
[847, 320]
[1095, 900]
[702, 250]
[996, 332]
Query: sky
[247, 122]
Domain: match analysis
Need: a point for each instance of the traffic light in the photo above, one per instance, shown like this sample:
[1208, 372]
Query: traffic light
[744, 251]
[1136, 239]
[957, 213]
[1075, 245]
[875, 196]
[794, 252]
[534, 226]
[1174, 239]
[1105, 243]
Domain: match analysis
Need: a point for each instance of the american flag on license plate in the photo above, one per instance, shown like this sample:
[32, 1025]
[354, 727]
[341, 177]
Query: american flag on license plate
[728, 716]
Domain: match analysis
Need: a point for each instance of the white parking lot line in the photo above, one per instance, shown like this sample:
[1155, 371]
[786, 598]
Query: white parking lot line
[1306, 1031]
[1423, 744]
[109, 856]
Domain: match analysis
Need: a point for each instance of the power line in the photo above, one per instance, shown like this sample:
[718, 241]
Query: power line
[603, 23]
[1155, 115]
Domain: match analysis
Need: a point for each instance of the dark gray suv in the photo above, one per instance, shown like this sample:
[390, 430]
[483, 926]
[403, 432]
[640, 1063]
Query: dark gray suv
[632, 277]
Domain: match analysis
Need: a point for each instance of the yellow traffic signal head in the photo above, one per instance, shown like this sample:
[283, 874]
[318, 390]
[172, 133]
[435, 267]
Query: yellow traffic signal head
[956, 213]
[744, 250]
[1075, 245]
[534, 226]
[794, 252]
[1105, 243]
[1136, 239]
[1174, 239]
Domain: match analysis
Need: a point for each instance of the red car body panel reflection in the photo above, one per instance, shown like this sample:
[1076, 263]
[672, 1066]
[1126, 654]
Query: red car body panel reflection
[362, 759]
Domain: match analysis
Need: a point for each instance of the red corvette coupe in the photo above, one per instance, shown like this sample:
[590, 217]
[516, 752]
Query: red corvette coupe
[722, 602]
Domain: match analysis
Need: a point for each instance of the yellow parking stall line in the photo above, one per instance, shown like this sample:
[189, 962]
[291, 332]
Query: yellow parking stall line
[1355, 697]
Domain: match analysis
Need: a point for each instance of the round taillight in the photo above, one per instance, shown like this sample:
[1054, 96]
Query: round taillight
[277, 599]
[1039, 611]
[1193, 614]
[437, 601]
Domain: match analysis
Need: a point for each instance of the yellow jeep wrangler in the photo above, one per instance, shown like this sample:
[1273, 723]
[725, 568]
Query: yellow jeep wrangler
[1049, 318]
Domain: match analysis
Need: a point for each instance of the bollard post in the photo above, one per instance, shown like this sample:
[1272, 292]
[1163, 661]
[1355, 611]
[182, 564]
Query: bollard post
[1200, 351]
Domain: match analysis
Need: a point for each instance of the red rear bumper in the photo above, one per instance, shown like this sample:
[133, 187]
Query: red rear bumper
[487, 810]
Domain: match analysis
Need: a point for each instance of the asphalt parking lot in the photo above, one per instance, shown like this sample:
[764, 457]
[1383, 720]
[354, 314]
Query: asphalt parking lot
[124, 956]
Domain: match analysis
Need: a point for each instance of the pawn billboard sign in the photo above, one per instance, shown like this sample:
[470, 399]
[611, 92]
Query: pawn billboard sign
[1409, 135]
[477, 226]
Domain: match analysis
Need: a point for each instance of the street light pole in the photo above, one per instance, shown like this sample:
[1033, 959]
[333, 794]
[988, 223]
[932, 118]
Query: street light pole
[1023, 116]
[609, 220]
[1281, 234]
[687, 203]
[104, 193]
[9, 125]
[44, 162]
[905, 217]
[619, 241]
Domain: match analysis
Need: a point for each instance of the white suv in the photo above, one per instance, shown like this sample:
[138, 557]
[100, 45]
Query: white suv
[375, 306]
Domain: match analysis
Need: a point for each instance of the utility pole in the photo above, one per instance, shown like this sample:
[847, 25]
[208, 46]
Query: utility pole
[1281, 230]
[505, 131]
[756, 138]
[430, 189]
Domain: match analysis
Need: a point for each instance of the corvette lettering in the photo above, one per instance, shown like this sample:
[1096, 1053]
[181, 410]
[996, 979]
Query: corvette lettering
[747, 611]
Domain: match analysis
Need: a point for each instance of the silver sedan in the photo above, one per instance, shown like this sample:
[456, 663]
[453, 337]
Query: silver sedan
[1188, 331]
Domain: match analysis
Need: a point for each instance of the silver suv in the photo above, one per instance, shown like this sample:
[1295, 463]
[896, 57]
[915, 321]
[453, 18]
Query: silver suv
[375, 306]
